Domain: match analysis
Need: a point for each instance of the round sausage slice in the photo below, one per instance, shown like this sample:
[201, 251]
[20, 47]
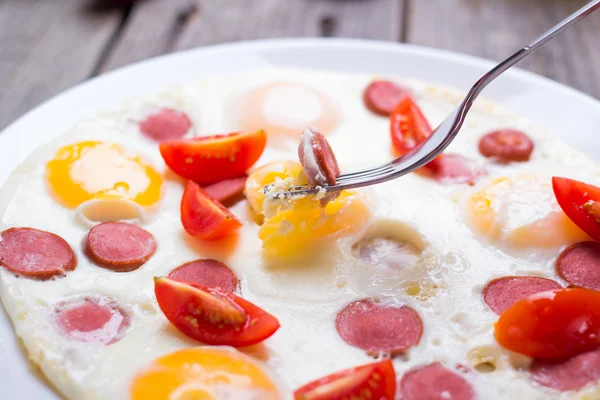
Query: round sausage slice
[571, 374]
[506, 145]
[35, 254]
[502, 293]
[454, 169]
[96, 320]
[211, 273]
[165, 124]
[579, 265]
[381, 97]
[435, 382]
[120, 246]
[228, 191]
[318, 161]
[379, 328]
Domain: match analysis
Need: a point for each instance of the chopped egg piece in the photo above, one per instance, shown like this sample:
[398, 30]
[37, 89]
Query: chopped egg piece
[292, 226]
[279, 174]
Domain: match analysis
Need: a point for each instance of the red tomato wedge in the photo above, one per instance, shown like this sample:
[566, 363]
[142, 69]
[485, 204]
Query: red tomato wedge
[581, 202]
[211, 159]
[552, 324]
[371, 381]
[409, 128]
[212, 316]
[204, 217]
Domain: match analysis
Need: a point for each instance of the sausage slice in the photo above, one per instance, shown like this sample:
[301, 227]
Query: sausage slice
[579, 265]
[207, 272]
[165, 124]
[502, 293]
[506, 145]
[434, 381]
[120, 246]
[381, 97]
[35, 254]
[89, 319]
[318, 161]
[377, 327]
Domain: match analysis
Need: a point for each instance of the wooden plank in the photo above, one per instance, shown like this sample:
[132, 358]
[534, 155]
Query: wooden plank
[156, 27]
[495, 29]
[150, 31]
[47, 47]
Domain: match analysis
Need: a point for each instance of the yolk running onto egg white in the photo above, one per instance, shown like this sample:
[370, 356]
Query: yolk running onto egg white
[204, 373]
[96, 170]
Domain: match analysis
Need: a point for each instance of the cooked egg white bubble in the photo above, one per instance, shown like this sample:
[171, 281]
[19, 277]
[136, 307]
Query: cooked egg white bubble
[447, 258]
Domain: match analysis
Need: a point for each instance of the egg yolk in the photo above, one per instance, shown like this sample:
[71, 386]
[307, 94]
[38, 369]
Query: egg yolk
[287, 108]
[203, 373]
[96, 170]
[265, 175]
[522, 212]
[291, 228]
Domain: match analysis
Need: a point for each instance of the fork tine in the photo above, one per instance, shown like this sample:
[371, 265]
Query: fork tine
[351, 182]
[365, 173]
[366, 179]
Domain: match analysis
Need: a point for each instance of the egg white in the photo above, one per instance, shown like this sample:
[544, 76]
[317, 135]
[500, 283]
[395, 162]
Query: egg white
[305, 298]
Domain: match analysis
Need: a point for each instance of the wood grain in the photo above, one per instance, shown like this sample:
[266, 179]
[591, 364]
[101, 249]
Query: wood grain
[495, 29]
[156, 27]
[46, 47]
[150, 31]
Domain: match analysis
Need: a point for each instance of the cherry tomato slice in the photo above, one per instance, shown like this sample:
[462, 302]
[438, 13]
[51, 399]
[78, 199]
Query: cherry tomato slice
[204, 217]
[211, 315]
[552, 324]
[581, 202]
[207, 160]
[408, 126]
[374, 381]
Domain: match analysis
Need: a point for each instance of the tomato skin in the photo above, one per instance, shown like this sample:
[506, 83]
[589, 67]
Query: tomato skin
[204, 217]
[571, 196]
[408, 126]
[553, 324]
[351, 383]
[245, 324]
[211, 159]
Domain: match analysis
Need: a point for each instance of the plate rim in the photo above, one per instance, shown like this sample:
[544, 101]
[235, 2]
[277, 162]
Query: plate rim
[10, 133]
[301, 42]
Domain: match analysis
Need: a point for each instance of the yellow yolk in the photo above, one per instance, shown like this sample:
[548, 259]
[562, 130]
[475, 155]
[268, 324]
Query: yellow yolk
[287, 108]
[204, 373]
[522, 212]
[96, 170]
[266, 175]
[291, 228]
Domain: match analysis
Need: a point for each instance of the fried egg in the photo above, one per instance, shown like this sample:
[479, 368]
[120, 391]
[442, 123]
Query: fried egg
[413, 241]
[521, 212]
[286, 108]
[95, 170]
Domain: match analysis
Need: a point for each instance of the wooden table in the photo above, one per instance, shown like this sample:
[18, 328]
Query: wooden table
[47, 46]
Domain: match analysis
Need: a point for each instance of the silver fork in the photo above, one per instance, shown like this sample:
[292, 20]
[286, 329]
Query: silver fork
[446, 131]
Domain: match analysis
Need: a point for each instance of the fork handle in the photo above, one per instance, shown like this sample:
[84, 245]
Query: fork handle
[436, 144]
[457, 117]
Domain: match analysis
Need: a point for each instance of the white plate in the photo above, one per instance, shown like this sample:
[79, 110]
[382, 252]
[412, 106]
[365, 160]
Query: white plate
[565, 112]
